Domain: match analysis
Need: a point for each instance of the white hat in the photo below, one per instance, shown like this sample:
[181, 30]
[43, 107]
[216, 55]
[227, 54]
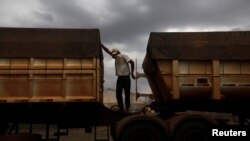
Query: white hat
[114, 51]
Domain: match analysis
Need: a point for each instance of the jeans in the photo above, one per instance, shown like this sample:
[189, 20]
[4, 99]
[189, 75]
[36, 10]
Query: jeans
[123, 83]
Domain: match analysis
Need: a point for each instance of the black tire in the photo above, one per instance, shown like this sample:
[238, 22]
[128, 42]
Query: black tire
[192, 131]
[142, 132]
[113, 131]
[3, 128]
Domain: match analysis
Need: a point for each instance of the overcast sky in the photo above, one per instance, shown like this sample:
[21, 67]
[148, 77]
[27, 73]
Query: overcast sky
[127, 24]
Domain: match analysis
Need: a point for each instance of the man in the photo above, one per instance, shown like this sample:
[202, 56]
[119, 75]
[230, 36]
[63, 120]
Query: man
[123, 72]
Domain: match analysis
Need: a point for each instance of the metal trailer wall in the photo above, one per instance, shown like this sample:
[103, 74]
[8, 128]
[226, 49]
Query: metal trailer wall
[52, 76]
[39, 65]
[199, 65]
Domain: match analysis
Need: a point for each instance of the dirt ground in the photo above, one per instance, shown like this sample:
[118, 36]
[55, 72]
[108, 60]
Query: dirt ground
[79, 135]
[74, 134]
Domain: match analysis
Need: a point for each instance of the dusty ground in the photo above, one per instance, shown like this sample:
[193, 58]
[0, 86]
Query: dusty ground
[74, 134]
[79, 135]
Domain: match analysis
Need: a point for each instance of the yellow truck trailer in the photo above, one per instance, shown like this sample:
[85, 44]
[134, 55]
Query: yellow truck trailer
[200, 82]
[50, 65]
[52, 76]
[55, 76]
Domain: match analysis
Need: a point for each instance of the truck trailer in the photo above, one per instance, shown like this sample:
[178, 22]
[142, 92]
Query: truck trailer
[52, 76]
[212, 65]
[200, 83]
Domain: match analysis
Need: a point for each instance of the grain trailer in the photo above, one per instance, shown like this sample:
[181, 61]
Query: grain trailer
[200, 82]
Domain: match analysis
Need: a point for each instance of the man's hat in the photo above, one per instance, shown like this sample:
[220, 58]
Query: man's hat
[114, 51]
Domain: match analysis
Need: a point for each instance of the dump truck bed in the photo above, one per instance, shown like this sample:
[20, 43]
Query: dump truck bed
[45, 64]
[199, 65]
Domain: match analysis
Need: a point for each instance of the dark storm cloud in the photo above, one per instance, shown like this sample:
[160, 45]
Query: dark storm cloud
[44, 16]
[135, 19]
[68, 14]
[160, 15]
[181, 13]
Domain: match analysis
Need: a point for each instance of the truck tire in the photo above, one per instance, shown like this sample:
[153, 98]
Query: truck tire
[113, 131]
[3, 128]
[192, 131]
[142, 132]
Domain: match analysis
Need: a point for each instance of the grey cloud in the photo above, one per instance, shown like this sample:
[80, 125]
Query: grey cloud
[131, 22]
[44, 16]
[69, 14]
[161, 15]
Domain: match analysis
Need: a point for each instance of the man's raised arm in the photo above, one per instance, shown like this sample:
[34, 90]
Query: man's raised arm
[106, 49]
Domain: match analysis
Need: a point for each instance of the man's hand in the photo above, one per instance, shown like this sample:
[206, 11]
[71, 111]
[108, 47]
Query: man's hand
[133, 76]
[106, 49]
